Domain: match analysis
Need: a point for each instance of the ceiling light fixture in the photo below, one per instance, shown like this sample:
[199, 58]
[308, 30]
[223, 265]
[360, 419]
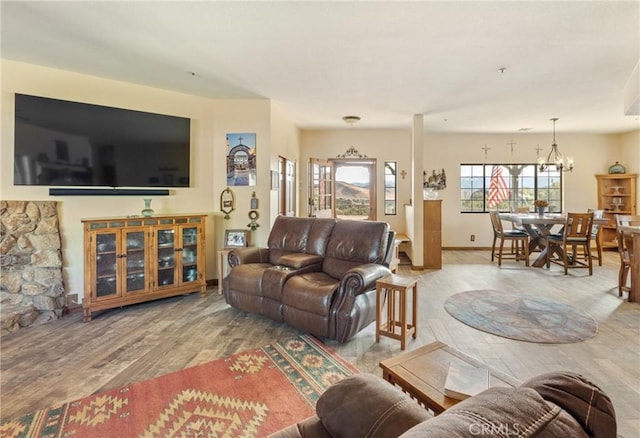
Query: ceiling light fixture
[351, 120]
[555, 157]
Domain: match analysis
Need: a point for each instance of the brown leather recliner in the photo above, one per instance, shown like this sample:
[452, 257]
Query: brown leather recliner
[317, 275]
[556, 404]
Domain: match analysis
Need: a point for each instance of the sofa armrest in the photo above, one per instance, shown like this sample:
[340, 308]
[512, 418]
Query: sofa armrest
[362, 278]
[366, 405]
[358, 284]
[239, 256]
[584, 400]
[357, 281]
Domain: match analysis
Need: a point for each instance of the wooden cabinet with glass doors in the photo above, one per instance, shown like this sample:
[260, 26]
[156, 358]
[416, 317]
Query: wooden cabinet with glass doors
[132, 260]
[616, 195]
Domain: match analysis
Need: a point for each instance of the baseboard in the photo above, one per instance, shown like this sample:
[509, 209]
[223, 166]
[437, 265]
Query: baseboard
[467, 248]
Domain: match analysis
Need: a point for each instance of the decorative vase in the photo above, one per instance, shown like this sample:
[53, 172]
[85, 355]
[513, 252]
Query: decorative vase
[617, 168]
[540, 211]
[148, 211]
[429, 194]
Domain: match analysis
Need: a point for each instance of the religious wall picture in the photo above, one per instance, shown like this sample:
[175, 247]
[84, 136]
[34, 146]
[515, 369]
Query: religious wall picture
[241, 159]
[436, 181]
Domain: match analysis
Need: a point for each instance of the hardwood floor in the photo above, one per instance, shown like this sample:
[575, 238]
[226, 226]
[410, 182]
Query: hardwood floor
[69, 359]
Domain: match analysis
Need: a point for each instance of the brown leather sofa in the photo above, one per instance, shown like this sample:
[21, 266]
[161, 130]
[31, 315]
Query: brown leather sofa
[551, 405]
[316, 274]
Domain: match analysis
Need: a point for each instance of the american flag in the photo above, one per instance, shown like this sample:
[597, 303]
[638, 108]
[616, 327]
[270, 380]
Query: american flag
[498, 189]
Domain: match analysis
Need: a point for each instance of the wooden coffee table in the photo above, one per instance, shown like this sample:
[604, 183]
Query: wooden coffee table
[421, 374]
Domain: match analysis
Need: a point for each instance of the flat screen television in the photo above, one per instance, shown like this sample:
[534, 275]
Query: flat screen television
[63, 143]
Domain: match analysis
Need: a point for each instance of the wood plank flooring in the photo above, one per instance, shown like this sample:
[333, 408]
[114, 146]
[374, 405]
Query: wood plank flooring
[69, 359]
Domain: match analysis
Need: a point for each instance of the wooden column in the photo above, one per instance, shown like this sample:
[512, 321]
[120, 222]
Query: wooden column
[432, 234]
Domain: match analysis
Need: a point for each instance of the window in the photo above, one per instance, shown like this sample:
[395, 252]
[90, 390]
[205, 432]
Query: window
[514, 186]
[355, 184]
[390, 191]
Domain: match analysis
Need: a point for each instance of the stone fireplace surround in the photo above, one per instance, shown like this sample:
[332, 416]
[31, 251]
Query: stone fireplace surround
[31, 285]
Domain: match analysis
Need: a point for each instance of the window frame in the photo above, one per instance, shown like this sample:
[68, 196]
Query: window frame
[371, 164]
[392, 174]
[550, 174]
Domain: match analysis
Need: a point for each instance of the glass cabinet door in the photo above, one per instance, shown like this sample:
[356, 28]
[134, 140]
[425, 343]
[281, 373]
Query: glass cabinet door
[105, 268]
[189, 237]
[166, 257]
[136, 261]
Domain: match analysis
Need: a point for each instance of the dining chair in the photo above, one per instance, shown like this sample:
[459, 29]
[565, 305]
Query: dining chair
[623, 249]
[517, 236]
[514, 226]
[576, 234]
[595, 234]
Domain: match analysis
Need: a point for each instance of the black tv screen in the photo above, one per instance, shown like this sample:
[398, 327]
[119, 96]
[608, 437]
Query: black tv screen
[62, 143]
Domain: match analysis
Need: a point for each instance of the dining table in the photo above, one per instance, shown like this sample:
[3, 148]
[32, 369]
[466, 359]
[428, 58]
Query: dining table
[633, 245]
[538, 227]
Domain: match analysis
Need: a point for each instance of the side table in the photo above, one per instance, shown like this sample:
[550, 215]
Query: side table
[223, 267]
[395, 288]
[421, 373]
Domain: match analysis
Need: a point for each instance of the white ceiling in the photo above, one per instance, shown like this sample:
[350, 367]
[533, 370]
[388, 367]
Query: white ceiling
[383, 61]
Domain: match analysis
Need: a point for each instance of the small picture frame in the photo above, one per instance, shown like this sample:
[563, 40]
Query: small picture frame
[236, 238]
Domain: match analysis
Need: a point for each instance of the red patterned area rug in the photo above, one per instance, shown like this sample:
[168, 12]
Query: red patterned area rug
[250, 394]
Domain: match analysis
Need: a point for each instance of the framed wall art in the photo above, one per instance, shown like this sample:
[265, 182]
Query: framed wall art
[236, 238]
[241, 159]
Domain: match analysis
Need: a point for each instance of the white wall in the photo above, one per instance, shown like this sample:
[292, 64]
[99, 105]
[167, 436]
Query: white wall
[630, 157]
[233, 117]
[211, 120]
[276, 135]
[383, 145]
[592, 154]
[285, 142]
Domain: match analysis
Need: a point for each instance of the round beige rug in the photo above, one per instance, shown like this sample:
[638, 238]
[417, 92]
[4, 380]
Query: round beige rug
[521, 317]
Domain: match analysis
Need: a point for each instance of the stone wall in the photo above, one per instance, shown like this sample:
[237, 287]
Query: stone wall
[31, 286]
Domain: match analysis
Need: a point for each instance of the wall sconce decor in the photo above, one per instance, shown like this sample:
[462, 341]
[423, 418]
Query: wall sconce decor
[227, 202]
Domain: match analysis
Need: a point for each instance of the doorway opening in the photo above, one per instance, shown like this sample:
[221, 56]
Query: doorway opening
[355, 182]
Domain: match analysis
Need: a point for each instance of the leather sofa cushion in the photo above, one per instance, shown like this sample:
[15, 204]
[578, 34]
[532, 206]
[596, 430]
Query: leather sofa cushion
[247, 278]
[364, 405]
[296, 235]
[309, 428]
[298, 260]
[581, 398]
[319, 235]
[288, 234]
[498, 411]
[312, 292]
[355, 242]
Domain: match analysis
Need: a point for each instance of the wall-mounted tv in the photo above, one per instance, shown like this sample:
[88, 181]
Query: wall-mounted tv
[63, 143]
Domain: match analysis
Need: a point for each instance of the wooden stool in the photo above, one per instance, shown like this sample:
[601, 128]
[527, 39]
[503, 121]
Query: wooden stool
[396, 285]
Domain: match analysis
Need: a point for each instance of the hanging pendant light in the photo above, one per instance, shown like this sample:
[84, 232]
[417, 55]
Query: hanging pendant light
[555, 158]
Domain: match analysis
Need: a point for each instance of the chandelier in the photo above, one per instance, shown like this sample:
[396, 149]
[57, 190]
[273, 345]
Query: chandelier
[563, 164]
